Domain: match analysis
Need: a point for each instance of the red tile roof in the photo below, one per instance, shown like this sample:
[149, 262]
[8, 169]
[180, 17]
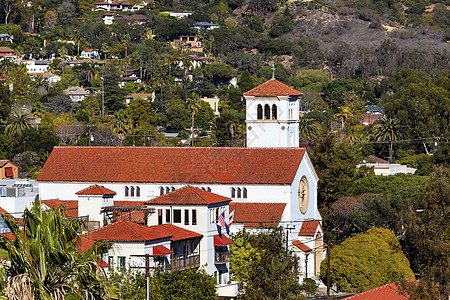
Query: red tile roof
[177, 233]
[160, 250]
[378, 160]
[129, 203]
[126, 231]
[222, 240]
[389, 291]
[102, 264]
[96, 190]
[188, 195]
[5, 161]
[272, 87]
[173, 165]
[301, 246]
[309, 228]
[252, 214]
[84, 244]
[70, 206]
[4, 212]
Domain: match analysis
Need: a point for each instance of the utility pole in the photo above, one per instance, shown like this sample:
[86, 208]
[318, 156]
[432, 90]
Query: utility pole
[288, 229]
[103, 95]
[328, 271]
[147, 272]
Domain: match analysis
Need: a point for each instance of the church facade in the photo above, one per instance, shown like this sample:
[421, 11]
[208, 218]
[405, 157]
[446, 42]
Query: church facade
[270, 182]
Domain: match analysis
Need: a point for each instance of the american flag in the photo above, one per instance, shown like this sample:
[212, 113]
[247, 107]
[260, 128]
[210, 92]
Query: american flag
[222, 220]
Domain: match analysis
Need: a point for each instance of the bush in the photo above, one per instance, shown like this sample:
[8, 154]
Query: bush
[366, 261]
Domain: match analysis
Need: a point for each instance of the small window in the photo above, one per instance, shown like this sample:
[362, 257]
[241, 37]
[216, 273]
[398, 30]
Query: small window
[208, 189]
[244, 193]
[167, 215]
[138, 191]
[172, 189]
[160, 217]
[127, 191]
[259, 112]
[161, 191]
[167, 190]
[177, 215]
[203, 188]
[266, 112]
[132, 191]
[274, 112]
[9, 172]
[186, 217]
[239, 192]
[121, 262]
[233, 193]
[194, 217]
[110, 260]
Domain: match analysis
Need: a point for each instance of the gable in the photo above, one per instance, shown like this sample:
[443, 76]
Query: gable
[173, 165]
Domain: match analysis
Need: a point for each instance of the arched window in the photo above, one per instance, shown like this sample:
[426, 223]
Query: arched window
[208, 189]
[244, 193]
[132, 191]
[167, 190]
[203, 188]
[127, 191]
[233, 193]
[161, 191]
[267, 112]
[274, 112]
[173, 189]
[239, 192]
[138, 191]
[259, 112]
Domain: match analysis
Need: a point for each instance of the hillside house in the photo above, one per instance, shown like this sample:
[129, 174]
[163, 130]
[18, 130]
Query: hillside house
[188, 43]
[90, 53]
[4, 37]
[8, 169]
[6, 52]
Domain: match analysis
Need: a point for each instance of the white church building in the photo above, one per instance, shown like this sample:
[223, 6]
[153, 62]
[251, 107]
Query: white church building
[271, 182]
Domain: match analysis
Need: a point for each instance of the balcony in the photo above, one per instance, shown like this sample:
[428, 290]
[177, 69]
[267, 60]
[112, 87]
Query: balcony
[222, 257]
[182, 263]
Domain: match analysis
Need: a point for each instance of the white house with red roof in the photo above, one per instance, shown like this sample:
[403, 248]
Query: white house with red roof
[197, 210]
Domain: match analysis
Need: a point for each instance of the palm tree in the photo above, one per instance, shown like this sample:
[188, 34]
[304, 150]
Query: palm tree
[44, 260]
[194, 104]
[390, 130]
[39, 82]
[307, 128]
[122, 124]
[19, 123]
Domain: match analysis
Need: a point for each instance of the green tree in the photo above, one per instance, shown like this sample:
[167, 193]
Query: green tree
[282, 23]
[141, 112]
[246, 82]
[273, 273]
[388, 130]
[194, 104]
[176, 115]
[18, 123]
[366, 261]
[308, 128]
[122, 124]
[311, 80]
[45, 261]
[427, 237]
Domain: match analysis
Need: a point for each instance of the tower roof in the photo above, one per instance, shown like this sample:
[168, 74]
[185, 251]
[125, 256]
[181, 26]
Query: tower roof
[272, 87]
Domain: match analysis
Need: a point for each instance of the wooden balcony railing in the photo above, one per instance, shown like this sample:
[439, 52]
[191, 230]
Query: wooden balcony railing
[222, 257]
[186, 262]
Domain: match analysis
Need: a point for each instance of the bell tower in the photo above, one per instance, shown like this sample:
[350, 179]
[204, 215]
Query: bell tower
[272, 115]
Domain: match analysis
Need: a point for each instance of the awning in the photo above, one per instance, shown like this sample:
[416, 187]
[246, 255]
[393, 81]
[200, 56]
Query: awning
[301, 246]
[222, 240]
[160, 250]
[9, 172]
[102, 264]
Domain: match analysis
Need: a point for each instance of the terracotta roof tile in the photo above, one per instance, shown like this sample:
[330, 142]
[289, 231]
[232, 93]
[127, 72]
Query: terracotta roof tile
[253, 214]
[84, 244]
[177, 233]
[129, 203]
[301, 246]
[70, 206]
[126, 231]
[173, 165]
[188, 195]
[96, 190]
[4, 212]
[272, 87]
[309, 228]
[389, 291]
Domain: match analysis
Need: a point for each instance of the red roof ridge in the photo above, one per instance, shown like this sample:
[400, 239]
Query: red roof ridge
[277, 89]
[96, 190]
